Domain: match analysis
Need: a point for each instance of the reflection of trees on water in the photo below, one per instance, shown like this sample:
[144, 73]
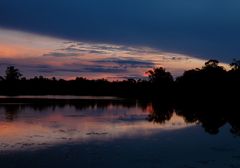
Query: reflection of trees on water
[160, 112]
[211, 119]
[210, 115]
[11, 112]
[12, 107]
[206, 95]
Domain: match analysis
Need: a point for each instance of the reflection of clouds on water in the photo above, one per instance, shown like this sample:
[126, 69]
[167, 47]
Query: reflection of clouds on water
[37, 128]
[27, 124]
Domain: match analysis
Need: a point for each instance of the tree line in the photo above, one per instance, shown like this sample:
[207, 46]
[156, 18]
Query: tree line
[208, 95]
[211, 80]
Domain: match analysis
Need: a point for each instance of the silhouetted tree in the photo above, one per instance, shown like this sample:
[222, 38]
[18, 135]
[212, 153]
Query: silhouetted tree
[235, 65]
[159, 75]
[12, 74]
[160, 83]
[211, 63]
[212, 68]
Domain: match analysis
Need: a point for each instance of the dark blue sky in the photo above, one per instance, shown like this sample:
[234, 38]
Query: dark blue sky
[201, 28]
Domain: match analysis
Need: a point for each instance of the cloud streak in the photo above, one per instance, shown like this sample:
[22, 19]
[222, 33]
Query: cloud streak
[68, 59]
[60, 54]
[204, 29]
[130, 62]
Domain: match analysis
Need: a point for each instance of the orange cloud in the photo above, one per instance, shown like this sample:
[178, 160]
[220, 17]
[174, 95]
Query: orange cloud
[66, 59]
[18, 51]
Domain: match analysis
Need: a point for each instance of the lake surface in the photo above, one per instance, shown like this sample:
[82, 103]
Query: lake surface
[108, 132]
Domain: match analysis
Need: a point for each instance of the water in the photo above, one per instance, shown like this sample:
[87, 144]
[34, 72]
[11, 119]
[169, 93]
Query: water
[109, 132]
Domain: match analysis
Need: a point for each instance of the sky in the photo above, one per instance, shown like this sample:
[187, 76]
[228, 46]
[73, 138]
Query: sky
[116, 39]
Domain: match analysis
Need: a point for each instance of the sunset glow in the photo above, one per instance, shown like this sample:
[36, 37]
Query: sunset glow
[70, 125]
[119, 83]
[41, 55]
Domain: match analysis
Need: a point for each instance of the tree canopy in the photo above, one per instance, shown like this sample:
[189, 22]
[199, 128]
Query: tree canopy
[12, 73]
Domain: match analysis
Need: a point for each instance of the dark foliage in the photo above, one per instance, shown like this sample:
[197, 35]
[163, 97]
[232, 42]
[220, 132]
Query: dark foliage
[211, 82]
[210, 116]
[12, 74]
[208, 95]
[159, 80]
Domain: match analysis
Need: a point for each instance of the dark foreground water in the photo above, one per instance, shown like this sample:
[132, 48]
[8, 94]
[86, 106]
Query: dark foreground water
[107, 132]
